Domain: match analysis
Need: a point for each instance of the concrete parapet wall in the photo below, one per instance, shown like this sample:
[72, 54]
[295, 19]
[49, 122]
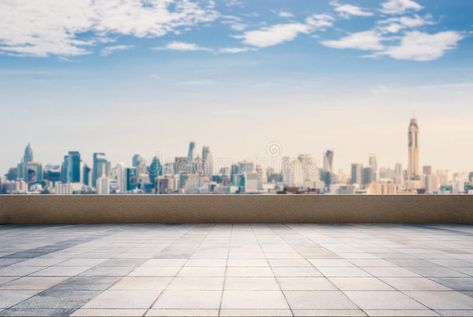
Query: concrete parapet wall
[87, 209]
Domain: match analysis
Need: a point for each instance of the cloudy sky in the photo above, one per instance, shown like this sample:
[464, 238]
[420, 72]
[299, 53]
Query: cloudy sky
[148, 76]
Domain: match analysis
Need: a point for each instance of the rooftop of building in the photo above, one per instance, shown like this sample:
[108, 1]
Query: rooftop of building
[236, 270]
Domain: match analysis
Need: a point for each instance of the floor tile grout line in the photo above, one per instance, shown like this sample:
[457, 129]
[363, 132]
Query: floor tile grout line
[380, 280]
[113, 284]
[226, 269]
[326, 277]
[177, 273]
[274, 276]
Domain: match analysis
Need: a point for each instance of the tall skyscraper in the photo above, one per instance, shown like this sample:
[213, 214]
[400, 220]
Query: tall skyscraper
[373, 163]
[327, 173]
[101, 167]
[154, 170]
[328, 161]
[413, 169]
[190, 153]
[356, 173]
[28, 155]
[27, 169]
[207, 161]
[73, 167]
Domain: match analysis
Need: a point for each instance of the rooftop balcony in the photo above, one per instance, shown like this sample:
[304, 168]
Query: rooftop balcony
[259, 269]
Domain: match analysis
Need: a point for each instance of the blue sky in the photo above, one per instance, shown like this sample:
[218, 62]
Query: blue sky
[146, 77]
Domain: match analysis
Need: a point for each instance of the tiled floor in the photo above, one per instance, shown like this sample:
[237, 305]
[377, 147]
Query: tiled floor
[236, 270]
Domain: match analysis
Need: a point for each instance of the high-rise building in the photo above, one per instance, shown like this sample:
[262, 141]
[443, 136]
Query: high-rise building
[310, 171]
[328, 161]
[101, 167]
[72, 167]
[356, 173]
[139, 162]
[398, 174]
[86, 174]
[155, 169]
[28, 155]
[368, 176]
[180, 165]
[119, 176]
[190, 153]
[413, 170]
[373, 163]
[27, 169]
[207, 161]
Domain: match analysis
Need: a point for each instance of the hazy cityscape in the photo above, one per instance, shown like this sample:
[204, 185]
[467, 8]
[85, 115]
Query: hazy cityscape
[201, 173]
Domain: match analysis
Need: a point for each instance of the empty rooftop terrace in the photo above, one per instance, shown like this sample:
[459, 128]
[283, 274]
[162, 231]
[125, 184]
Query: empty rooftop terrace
[236, 270]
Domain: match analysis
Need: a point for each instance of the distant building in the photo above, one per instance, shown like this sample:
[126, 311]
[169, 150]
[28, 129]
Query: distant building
[207, 161]
[368, 176]
[413, 170]
[373, 164]
[103, 185]
[100, 167]
[357, 173]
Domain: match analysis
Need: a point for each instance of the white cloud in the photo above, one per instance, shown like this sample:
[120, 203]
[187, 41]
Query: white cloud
[181, 46]
[399, 6]
[279, 33]
[275, 34]
[368, 40]
[320, 21]
[109, 50]
[50, 27]
[419, 46]
[285, 14]
[394, 25]
[347, 10]
[234, 50]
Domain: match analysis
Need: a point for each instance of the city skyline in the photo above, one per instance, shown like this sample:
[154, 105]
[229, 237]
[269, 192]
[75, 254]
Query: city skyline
[237, 75]
[203, 173]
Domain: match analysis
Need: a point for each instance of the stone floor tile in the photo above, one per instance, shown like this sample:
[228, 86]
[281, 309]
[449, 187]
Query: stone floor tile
[360, 284]
[124, 299]
[331, 263]
[37, 312]
[197, 283]
[383, 300]
[9, 298]
[82, 262]
[413, 284]
[178, 299]
[456, 283]
[61, 271]
[200, 271]
[141, 283]
[305, 284]
[256, 312]
[445, 300]
[401, 313]
[248, 263]
[390, 272]
[155, 271]
[100, 312]
[249, 272]
[182, 312]
[253, 300]
[288, 262]
[318, 300]
[342, 271]
[329, 312]
[33, 283]
[252, 283]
